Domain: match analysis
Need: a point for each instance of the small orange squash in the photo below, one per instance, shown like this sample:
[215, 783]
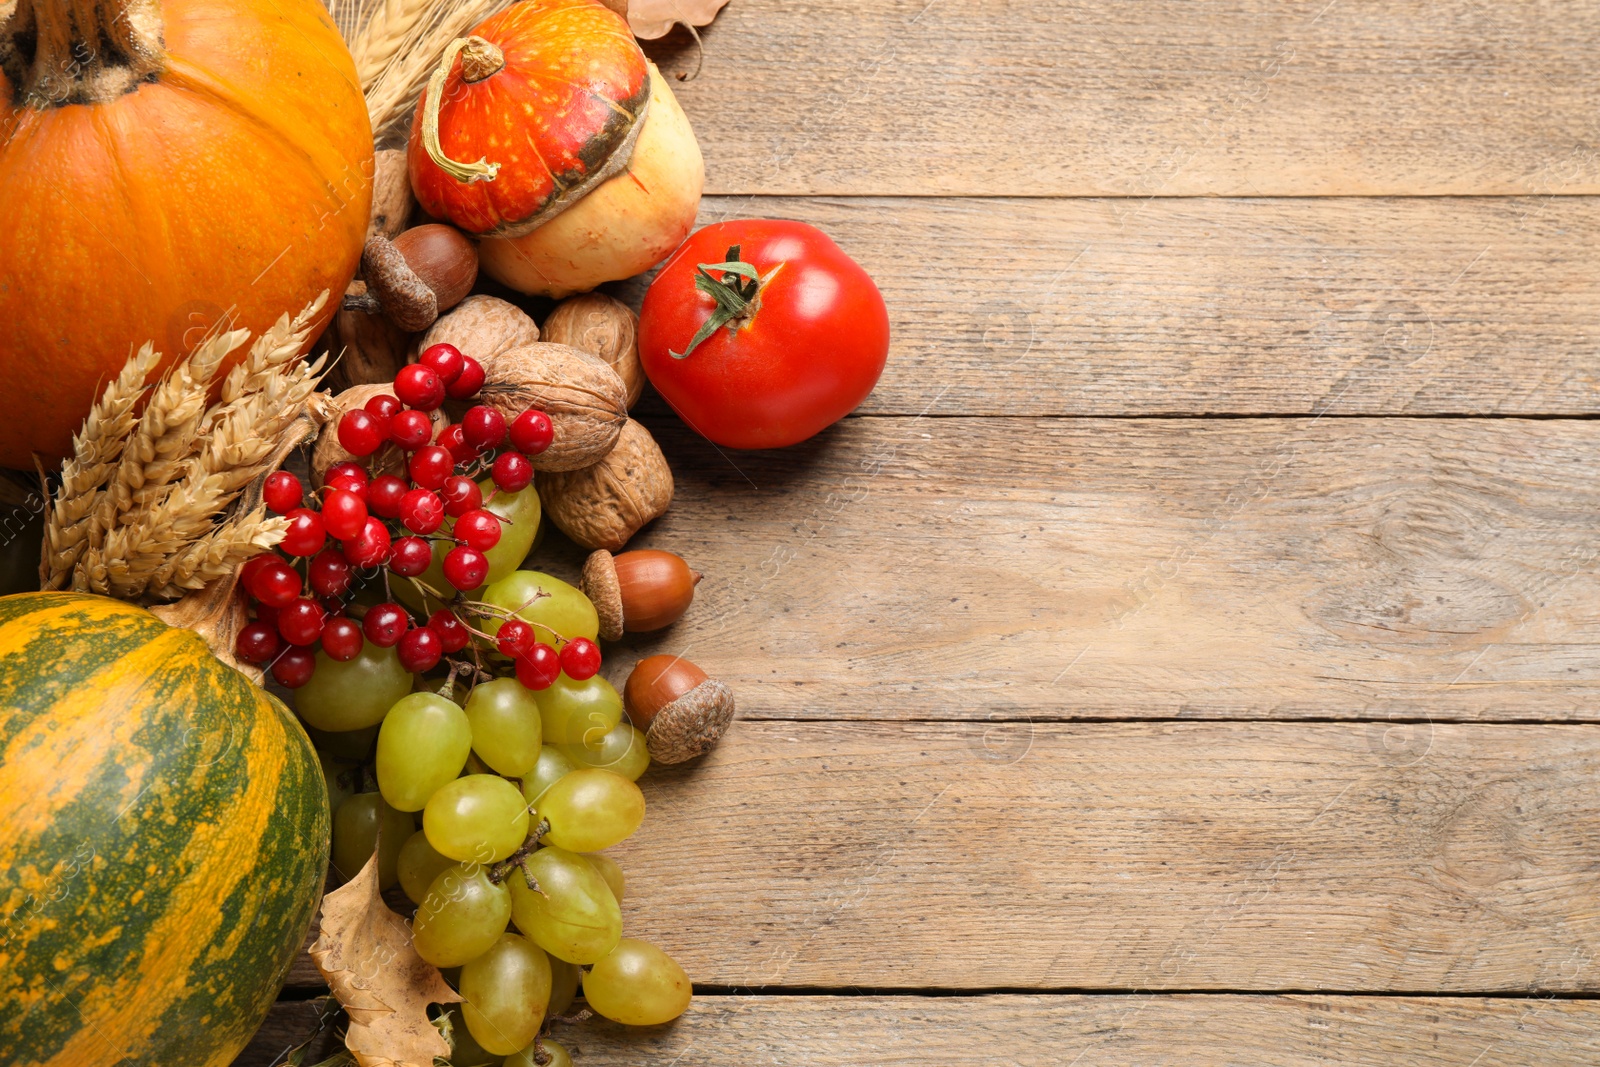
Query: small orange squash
[547, 133]
[163, 164]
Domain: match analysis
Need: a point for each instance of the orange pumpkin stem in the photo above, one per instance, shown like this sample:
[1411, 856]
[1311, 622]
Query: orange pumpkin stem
[485, 60]
[60, 52]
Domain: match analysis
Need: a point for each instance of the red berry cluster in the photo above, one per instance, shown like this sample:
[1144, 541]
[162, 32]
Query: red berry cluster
[390, 523]
[538, 664]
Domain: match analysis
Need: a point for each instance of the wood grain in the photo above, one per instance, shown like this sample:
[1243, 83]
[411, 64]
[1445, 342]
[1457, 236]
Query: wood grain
[1045, 569]
[317, 1024]
[1164, 98]
[1116, 307]
[1087, 1031]
[1107, 1031]
[1179, 856]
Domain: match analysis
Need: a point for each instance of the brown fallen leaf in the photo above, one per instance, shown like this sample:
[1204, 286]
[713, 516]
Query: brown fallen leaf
[365, 955]
[650, 19]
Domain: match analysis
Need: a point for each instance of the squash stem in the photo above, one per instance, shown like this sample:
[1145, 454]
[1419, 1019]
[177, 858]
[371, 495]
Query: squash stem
[58, 52]
[480, 171]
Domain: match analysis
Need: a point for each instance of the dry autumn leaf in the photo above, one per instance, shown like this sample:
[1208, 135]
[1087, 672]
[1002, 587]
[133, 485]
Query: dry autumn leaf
[365, 955]
[650, 19]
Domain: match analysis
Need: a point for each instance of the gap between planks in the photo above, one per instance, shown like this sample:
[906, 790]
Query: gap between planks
[1060, 97]
[1404, 570]
[1339, 857]
[1285, 1030]
[1170, 307]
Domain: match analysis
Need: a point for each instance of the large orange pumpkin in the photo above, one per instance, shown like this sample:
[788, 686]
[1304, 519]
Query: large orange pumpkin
[164, 164]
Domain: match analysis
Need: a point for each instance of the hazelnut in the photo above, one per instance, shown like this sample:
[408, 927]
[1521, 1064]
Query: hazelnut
[637, 591]
[421, 273]
[605, 327]
[681, 711]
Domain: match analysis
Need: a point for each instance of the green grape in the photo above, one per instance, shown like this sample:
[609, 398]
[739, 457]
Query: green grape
[563, 985]
[563, 609]
[505, 726]
[591, 809]
[622, 749]
[418, 865]
[557, 1054]
[610, 870]
[342, 778]
[553, 763]
[353, 745]
[638, 985]
[460, 916]
[572, 915]
[423, 744]
[464, 1050]
[504, 993]
[578, 712]
[519, 515]
[479, 817]
[355, 694]
[355, 831]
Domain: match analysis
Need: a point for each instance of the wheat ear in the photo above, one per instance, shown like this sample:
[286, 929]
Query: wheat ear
[96, 451]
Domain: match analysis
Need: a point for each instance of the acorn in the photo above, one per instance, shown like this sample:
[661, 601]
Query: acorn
[682, 712]
[639, 591]
[424, 272]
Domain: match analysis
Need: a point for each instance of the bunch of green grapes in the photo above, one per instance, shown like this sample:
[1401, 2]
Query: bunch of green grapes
[518, 793]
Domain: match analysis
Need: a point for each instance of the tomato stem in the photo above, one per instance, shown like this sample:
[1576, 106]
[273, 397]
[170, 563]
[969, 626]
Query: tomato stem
[737, 294]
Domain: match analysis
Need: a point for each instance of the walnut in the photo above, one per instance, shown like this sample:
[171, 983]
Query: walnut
[584, 398]
[482, 327]
[601, 326]
[370, 347]
[604, 505]
[328, 451]
[391, 193]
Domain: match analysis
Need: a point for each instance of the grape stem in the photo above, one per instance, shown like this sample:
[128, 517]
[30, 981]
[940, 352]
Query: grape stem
[497, 872]
[487, 610]
[581, 1015]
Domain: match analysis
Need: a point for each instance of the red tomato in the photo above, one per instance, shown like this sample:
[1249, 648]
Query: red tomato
[807, 340]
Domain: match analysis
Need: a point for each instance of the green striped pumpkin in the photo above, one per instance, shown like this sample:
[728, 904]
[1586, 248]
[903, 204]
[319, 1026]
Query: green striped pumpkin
[164, 844]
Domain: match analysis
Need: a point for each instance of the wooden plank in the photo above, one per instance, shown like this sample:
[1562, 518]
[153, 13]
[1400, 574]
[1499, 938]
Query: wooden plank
[1189, 856]
[1116, 307]
[1164, 98]
[1091, 1031]
[1110, 1031]
[316, 1024]
[1179, 856]
[1236, 568]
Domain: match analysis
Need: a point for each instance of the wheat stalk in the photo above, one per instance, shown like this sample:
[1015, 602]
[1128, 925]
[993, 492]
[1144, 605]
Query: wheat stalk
[383, 34]
[142, 512]
[261, 396]
[96, 451]
[168, 429]
[216, 554]
[394, 90]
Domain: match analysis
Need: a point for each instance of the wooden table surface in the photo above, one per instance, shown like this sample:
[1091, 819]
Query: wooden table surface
[1190, 652]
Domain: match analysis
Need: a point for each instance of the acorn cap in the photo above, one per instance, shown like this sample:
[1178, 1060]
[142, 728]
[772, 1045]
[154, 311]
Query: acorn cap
[690, 725]
[599, 583]
[404, 297]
